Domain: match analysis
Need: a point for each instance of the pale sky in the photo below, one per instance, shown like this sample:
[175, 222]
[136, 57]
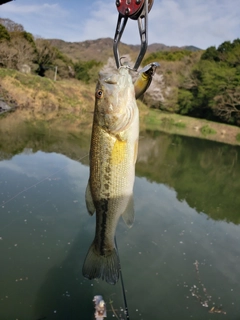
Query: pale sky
[201, 23]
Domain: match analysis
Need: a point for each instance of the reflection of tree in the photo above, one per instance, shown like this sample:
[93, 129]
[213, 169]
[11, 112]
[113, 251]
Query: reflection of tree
[40, 135]
[206, 174]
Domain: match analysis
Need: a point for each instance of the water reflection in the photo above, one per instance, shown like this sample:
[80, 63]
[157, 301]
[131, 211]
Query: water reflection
[186, 204]
[203, 173]
[65, 294]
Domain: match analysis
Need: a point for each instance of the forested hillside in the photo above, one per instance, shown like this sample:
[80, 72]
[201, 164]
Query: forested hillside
[204, 84]
[189, 81]
[22, 51]
[212, 89]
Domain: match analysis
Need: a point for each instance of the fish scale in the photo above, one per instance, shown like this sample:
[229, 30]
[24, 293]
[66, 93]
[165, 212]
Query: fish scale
[112, 170]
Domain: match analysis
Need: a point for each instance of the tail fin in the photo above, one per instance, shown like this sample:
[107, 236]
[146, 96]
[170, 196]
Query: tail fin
[99, 266]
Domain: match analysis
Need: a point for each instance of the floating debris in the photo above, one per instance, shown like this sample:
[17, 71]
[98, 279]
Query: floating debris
[100, 308]
[216, 310]
[203, 297]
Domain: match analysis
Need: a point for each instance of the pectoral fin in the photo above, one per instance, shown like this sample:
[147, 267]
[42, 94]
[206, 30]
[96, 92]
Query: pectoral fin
[89, 201]
[135, 152]
[128, 214]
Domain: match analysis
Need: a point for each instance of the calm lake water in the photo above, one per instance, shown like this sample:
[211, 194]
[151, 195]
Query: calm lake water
[180, 260]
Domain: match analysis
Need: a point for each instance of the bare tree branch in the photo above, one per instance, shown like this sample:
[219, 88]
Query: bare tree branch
[227, 106]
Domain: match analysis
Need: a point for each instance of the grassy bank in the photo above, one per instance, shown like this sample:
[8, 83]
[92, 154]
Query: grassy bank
[44, 98]
[72, 101]
[152, 119]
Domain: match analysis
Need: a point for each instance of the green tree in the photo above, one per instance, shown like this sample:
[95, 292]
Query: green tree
[210, 54]
[45, 55]
[29, 37]
[177, 55]
[216, 90]
[4, 34]
[185, 101]
[225, 47]
[83, 69]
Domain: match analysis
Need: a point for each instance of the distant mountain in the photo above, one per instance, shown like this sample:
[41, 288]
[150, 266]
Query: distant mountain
[101, 49]
[162, 47]
[192, 48]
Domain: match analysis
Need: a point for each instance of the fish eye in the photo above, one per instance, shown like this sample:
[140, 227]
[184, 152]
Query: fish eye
[99, 94]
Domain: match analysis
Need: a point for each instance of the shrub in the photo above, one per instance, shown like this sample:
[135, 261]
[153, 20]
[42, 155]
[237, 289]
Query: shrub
[205, 130]
[238, 137]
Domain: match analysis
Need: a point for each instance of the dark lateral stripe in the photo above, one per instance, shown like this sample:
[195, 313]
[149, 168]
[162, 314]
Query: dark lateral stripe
[104, 209]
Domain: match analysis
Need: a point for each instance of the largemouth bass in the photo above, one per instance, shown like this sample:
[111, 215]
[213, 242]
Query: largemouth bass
[113, 154]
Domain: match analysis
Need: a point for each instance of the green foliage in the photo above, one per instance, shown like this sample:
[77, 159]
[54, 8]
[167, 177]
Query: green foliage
[201, 172]
[4, 34]
[29, 37]
[205, 130]
[185, 101]
[167, 56]
[65, 66]
[214, 90]
[227, 52]
[45, 56]
[200, 84]
[61, 56]
[156, 120]
[32, 81]
[168, 122]
[238, 137]
[210, 54]
[180, 125]
[7, 73]
[19, 47]
[83, 69]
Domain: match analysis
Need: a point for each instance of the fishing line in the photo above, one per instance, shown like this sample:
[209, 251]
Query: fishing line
[37, 183]
[122, 284]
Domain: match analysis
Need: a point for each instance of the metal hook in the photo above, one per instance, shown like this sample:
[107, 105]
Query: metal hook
[137, 11]
[118, 34]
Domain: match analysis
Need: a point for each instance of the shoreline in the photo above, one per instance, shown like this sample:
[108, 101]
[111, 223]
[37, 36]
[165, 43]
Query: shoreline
[36, 98]
[187, 126]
